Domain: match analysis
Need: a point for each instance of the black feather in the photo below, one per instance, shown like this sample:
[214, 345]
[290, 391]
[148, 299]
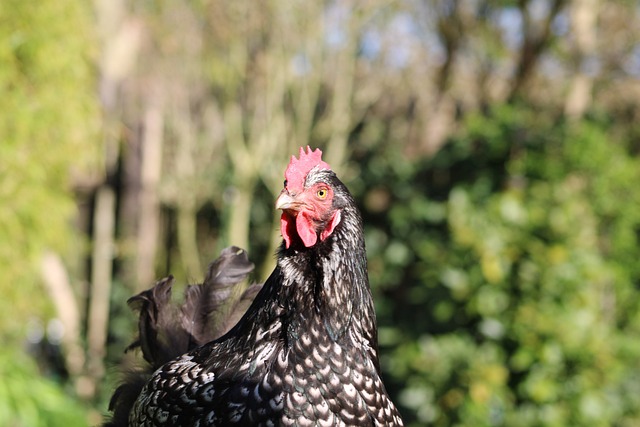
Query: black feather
[206, 306]
[125, 395]
[167, 330]
[160, 337]
[238, 308]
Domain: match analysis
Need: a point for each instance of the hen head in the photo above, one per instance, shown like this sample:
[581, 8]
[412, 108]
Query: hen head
[311, 200]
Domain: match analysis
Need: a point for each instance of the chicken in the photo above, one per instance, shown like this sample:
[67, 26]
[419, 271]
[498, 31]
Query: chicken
[305, 352]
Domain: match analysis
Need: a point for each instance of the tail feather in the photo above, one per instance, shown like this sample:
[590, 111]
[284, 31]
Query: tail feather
[238, 309]
[231, 267]
[159, 335]
[167, 330]
[125, 396]
[206, 308]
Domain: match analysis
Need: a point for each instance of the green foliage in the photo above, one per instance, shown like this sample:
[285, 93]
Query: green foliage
[47, 131]
[508, 288]
[29, 400]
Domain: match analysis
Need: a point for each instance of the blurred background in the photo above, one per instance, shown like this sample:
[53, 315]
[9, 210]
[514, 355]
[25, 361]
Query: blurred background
[493, 147]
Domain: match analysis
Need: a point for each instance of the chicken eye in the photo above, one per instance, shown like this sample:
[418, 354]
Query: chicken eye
[285, 183]
[322, 193]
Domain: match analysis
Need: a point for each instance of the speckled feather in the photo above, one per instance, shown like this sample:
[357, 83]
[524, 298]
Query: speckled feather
[304, 354]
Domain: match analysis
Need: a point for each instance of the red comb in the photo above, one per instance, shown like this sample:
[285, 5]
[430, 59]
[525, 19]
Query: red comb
[299, 168]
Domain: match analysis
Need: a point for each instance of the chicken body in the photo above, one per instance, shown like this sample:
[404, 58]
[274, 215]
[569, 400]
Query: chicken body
[305, 353]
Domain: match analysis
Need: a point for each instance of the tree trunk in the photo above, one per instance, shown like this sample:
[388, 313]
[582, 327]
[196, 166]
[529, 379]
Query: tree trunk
[101, 273]
[240, 213]
[149, 204]
[187, 241]
[536, 39]
[583, 20]
[56, 280]
[341, 109]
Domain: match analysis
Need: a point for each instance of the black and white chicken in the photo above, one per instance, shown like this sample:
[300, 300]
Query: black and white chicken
[305, 352]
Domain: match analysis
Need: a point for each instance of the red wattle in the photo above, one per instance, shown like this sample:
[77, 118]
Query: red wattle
[302, 225]
[306, 230]
[287, 228]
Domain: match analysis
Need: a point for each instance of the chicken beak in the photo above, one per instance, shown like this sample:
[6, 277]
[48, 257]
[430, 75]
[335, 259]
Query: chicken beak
[287, 203]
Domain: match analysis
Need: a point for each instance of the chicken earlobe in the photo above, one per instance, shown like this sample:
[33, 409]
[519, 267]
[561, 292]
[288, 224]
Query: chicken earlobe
[336, 216]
